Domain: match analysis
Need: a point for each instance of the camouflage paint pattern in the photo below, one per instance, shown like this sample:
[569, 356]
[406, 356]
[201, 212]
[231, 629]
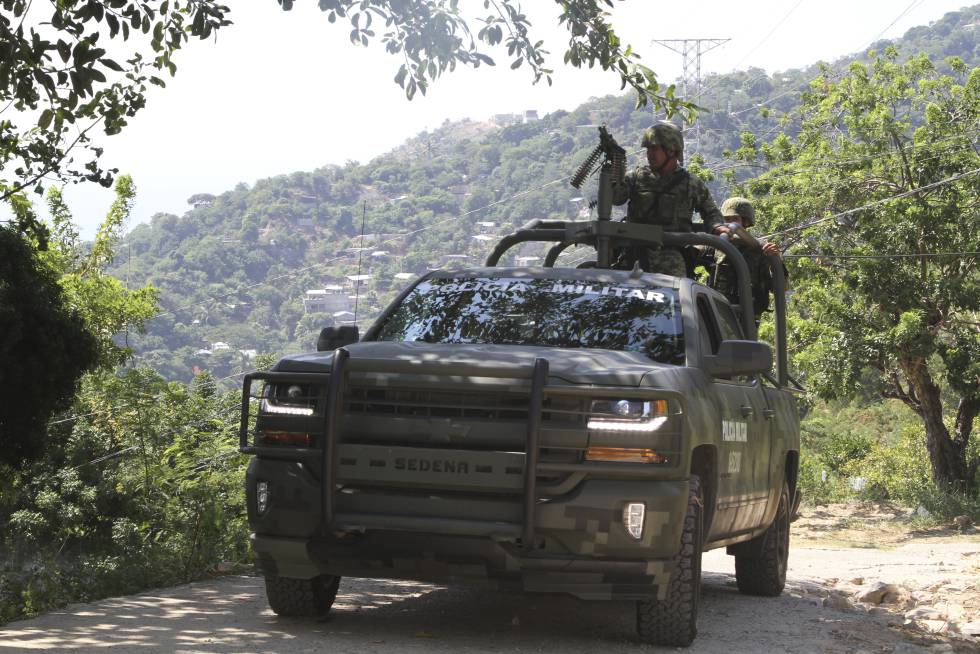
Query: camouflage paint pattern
[409, 527]
[667, 135]
[669, 201]
[741, 207]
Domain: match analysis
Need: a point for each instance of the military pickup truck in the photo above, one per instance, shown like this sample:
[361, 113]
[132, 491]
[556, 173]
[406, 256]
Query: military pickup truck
[588, 431]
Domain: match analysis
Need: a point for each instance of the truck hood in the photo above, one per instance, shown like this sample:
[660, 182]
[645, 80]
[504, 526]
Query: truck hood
[574, 366]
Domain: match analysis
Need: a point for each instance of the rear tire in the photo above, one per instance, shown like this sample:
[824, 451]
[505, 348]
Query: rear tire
[673, 622]
[762, 571]
[301, 598]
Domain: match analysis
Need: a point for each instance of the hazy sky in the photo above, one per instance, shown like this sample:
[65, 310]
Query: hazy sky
[281, 91]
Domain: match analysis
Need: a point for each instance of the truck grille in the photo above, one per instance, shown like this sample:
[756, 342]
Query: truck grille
[491, 421]
[490, 405]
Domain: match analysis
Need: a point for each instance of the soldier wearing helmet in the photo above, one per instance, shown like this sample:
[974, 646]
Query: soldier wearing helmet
[739, 215]
[664, 193]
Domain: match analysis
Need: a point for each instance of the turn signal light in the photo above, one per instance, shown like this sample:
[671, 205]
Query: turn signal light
[624, 455]
[272, 437]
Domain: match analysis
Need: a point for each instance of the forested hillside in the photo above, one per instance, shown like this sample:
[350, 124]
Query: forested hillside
[233, 271]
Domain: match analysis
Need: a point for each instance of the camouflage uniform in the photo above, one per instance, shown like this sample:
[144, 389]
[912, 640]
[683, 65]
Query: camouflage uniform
[760, 277]
[669, 200]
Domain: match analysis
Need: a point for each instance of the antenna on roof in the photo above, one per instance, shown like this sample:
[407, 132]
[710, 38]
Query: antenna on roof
[360, 255]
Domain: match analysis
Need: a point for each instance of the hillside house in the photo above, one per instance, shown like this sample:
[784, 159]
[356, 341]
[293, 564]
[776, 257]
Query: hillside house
[329, 299]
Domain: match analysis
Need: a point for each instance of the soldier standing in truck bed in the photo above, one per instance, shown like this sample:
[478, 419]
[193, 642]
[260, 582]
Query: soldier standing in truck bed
[664, 193]
[739, 215]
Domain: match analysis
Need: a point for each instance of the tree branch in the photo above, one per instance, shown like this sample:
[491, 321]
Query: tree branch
[898, 392]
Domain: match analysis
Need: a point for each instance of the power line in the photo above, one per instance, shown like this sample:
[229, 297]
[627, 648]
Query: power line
[938, 154]
[769, 34]
[849, 212]
[757, 46]
[111, 455]
[807, 82]
[911, 6]
[895, 255]
[110, 410]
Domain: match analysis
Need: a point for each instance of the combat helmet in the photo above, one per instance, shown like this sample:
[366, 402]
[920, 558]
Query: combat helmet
[667, 135]
[739, 207]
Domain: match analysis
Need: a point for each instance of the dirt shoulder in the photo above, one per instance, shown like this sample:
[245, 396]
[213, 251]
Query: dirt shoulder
[880, 558]
[844, 594]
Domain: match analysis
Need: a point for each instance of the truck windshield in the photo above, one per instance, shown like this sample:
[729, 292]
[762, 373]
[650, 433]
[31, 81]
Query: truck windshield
[546, 312]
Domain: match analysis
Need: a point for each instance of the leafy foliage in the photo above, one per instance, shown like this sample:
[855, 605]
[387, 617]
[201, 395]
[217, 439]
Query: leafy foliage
[433, 37]
[60, 312]
[144, 490]
[874, 451]
[56, 72]
[885, 159]
[44, 351]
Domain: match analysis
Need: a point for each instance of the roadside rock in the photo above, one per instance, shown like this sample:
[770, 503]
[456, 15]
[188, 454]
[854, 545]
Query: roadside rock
[874, 593]
[963, 522]
[900, 598]
[924, 613]
[881, 593]
[970, 629]
[921, 596]
[838, 602]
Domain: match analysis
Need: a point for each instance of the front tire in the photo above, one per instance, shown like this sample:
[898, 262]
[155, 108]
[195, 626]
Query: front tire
[301, 598]
[673, 621]
[762, 570]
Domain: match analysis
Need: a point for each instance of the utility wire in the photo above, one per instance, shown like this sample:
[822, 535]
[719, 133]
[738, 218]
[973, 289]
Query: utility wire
[806, 83]
[911, 6]
[111, 455]
[876, 203]
[769, 34]
[895, 255]
[868, 157]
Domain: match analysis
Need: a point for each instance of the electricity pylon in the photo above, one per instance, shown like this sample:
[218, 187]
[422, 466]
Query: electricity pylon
[691, 51]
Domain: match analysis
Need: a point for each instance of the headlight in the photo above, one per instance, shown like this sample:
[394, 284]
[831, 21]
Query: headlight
[624, 431]
[628, 415]
[289, 400]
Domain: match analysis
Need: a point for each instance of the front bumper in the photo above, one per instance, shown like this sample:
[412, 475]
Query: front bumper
[581, 547]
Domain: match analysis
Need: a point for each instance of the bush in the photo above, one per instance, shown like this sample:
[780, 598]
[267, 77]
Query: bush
[875, 452]
[819, 485]
[895, 469]
[147, 491]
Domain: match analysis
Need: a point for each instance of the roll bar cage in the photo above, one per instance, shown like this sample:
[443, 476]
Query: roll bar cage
[608, 235]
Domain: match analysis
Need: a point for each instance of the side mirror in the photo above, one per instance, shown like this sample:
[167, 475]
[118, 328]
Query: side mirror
[736, 358]
[333, 337]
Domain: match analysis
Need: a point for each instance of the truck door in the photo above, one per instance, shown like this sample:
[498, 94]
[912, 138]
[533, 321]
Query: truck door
[744, 432]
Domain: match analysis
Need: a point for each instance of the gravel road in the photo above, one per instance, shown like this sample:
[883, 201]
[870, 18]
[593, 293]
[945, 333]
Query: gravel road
[229, 615]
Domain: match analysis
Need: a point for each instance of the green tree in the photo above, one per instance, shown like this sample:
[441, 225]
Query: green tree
[59, 313]
[56, 73]
[886, 161]
[433, 37]
[44, 350]
[106, 305]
